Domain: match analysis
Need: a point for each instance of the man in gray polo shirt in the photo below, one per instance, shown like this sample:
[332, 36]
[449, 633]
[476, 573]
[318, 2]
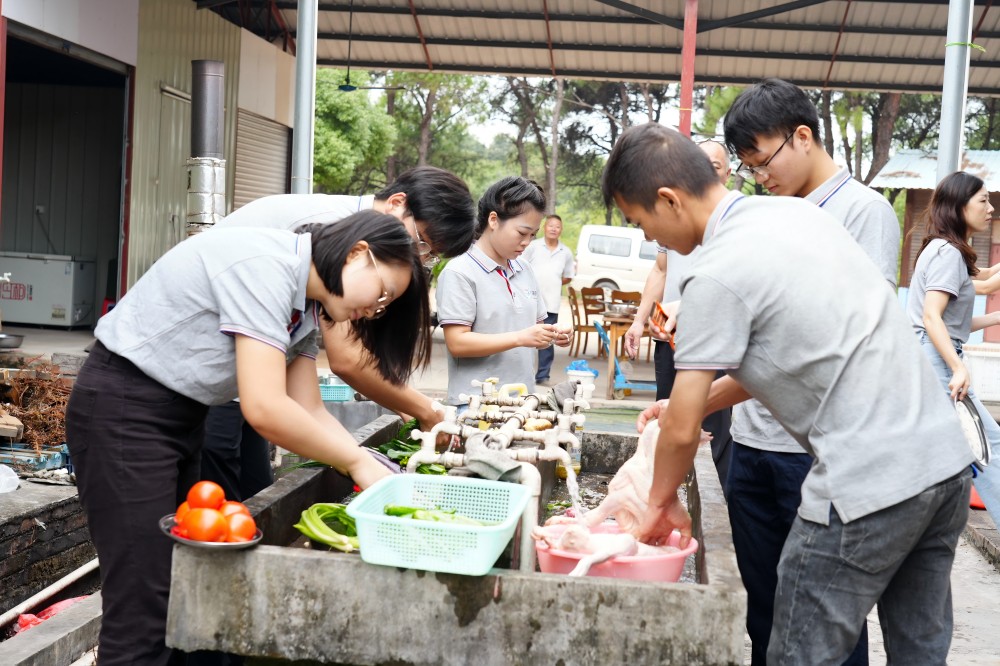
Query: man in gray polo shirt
[774, 129]
[886, 498]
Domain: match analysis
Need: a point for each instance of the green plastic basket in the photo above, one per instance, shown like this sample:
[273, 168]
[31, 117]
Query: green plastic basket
[414, 544]
[336, 392]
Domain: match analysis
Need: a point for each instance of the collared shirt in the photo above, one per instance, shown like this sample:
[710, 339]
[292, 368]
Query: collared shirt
[940, 267]
[290, 211]
[177, 323]
[869, 218]
[784, 299]
[471, 291]
[550, 267]
[677, 267]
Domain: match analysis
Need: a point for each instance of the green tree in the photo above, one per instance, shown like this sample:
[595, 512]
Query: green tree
[353, 137]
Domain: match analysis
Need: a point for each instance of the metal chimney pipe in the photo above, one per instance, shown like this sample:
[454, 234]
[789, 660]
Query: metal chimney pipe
[206, 169]
[207, 110]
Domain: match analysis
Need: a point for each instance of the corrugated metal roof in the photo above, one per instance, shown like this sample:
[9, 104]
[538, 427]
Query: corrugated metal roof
[917, 169]
[884, 44]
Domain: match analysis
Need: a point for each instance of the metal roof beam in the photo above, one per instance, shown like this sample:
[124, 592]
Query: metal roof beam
[211, 4]
[646, 76]
[646, 14]
[706, 26]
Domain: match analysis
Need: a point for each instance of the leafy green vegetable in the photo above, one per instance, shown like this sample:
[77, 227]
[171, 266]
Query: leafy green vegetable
[329, 524]
[437, 515]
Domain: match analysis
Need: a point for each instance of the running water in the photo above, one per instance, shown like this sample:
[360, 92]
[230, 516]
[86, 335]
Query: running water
[574, 494]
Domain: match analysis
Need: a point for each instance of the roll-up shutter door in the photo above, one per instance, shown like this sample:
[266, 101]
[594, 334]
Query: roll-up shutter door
[262, 147]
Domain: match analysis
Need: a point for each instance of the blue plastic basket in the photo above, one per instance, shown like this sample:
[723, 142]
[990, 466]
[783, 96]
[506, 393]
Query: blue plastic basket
[335, 392]
[414, 544]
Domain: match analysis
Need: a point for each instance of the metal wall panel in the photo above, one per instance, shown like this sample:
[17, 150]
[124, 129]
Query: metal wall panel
[172, 33]
[263, 148]
[62, 172]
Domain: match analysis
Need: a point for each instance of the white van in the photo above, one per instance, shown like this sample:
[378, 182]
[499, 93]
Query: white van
[613, 258]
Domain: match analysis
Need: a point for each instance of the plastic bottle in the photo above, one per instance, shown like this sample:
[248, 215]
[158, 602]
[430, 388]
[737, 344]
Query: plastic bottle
[575, 458]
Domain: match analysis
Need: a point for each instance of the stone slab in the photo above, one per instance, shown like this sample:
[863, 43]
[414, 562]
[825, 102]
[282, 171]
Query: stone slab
[982, 533]
[61, 639]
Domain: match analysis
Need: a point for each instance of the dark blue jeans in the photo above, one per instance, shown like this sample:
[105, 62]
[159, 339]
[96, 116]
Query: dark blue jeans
[545, 356]
[831, 576]
[764, 496]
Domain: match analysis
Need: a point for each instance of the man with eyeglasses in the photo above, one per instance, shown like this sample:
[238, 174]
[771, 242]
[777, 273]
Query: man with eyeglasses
[774, 130]
[437, 210]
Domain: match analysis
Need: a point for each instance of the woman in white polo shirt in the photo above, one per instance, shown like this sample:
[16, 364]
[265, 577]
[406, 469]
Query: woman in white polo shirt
[228, 312]
[942, 294]
[488, 302]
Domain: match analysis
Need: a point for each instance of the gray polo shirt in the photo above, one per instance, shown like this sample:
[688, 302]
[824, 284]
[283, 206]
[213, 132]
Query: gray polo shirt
[940, 267]
[871, 221]
[677, 268]
[471, 292]
[845, 376]
[550, 267]
[177, 323]
[290, 211]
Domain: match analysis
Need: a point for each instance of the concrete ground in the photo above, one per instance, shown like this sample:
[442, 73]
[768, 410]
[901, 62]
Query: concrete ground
[975, 580]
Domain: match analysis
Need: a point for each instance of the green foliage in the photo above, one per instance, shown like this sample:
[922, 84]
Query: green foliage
[352, 137]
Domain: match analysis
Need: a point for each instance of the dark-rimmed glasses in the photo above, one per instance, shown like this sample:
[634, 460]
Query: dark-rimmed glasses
[383, 301]
[426, 252]
[748, 172]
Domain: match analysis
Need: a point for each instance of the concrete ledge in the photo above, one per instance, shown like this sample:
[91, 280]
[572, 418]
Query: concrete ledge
[982, 533]
[61, 639]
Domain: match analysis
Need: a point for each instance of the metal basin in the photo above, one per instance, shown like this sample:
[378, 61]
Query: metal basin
[10, 340]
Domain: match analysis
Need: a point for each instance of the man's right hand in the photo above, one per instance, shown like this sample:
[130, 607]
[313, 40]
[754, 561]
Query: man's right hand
[632, 337]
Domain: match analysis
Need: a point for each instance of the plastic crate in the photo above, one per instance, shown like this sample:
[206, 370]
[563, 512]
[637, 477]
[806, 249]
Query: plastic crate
[336, 392]
[414, 544]
[983, 362]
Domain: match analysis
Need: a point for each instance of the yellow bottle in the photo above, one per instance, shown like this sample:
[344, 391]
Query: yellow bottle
[575, 461]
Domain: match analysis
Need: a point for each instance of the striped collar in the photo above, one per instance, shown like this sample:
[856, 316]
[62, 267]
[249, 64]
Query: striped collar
[488, 265]
[822, 194]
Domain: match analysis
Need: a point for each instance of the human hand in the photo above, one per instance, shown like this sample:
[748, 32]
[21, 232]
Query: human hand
[651, 413]
[366, 471]
[959, 384]
[564, 335]
[632, 337]
[660, 521]
[538, 336]
[664, 320]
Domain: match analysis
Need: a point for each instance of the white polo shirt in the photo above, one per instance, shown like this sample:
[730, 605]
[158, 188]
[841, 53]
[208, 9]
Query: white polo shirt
[550, 267]
[291, 211]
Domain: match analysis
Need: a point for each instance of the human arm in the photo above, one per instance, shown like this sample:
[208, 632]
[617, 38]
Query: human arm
[935, 303]
[724, 393]
[680, 434]
[986, 320]
[462, 342]
[986, 285]
[988, 272]
[652, 291]
[281, 404]
[350, 361]
[875, 227]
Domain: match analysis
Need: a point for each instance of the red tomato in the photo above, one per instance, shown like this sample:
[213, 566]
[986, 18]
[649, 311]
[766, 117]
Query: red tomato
[206, 495]
[205, 525]
[230, 507]
[177, 530]
[182, 509]
[241, 527]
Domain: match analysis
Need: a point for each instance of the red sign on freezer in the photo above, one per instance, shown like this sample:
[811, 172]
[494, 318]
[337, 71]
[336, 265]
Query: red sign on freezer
[15, 291]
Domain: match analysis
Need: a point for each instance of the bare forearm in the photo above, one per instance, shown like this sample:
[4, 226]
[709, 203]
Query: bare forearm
[477, 345]
[938, 333]
[725, 392]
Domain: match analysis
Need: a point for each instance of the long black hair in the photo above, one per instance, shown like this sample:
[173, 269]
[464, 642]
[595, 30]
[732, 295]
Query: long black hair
[399, 342]
[945, 215]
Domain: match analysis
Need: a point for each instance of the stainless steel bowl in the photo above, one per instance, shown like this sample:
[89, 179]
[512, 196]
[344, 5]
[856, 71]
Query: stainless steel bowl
[10, 340]
[623, 309]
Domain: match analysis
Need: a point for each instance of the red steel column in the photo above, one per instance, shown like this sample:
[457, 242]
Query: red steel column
[687, 64]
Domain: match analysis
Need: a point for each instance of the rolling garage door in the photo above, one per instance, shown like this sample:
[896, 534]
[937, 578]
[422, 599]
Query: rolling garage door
[262, 158]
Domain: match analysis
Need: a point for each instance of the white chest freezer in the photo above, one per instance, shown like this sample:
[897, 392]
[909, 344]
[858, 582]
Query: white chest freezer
[52, 290]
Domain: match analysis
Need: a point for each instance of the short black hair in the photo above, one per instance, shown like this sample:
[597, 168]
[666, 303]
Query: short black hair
[399, 342]
[650, 156]
[442, 201]
[553, 216]
[769, 108]
[509, 197]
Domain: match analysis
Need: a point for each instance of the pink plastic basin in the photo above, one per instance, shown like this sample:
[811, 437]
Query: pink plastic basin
[664, 568]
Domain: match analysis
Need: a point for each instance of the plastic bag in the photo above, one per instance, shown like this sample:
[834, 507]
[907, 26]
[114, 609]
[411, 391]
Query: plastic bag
[8, 479]
[28, 620]
[581, 366]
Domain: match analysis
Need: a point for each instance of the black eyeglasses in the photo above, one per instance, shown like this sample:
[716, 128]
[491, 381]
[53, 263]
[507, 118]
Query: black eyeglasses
[383, 301]
[748, 172]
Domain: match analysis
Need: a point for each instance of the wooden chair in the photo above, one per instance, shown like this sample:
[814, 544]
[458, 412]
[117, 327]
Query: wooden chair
[580, 330]
[592, 305]
[632, 298]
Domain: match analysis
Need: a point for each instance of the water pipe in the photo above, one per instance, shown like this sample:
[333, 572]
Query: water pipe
[529, 519]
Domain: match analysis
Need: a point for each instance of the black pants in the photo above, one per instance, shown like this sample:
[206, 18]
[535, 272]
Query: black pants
[235, 456]
[717, 423]
[135, 448]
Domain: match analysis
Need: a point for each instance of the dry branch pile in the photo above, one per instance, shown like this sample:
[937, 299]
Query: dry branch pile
[38, 398]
